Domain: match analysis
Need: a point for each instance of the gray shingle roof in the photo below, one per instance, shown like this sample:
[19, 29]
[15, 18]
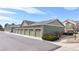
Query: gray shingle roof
[28, 22]
[41, 23]
[44, 22]
[15, 25]
[73, 21]
[35, 23]
[10, 25]
[77, 21]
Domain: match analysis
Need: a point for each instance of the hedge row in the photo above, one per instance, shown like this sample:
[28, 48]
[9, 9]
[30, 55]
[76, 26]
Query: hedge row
[50, 37]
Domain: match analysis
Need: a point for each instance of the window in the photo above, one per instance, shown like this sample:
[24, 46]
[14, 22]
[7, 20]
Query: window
[69, 26]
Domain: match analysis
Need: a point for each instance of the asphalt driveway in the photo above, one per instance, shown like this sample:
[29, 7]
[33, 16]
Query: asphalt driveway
[11, 42]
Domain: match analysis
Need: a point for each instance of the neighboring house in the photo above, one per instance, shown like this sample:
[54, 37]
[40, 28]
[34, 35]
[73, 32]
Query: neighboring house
[38, 29]
[71, 25]
[10, 27]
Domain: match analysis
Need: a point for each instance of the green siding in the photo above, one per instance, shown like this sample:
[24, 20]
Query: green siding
[52, 29]
[38, 32]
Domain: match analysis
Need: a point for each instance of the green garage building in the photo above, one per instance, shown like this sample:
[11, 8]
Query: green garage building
[38, 29]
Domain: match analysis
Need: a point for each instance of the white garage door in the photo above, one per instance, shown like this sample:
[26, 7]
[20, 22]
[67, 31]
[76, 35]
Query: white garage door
[26, 32]
[19, 31]
[31, 32]
[22, 31]
[38, 32]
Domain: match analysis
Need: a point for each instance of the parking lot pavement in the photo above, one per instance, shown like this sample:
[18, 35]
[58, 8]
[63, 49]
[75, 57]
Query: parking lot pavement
[11, 42]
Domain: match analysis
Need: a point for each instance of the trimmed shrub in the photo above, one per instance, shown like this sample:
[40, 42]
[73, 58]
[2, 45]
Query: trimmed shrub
[50, 37]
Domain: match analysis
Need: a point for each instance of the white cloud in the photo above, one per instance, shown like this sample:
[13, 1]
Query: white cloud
[70, 8]
[5, 18]
[31, 10]
[4, 11]
[18, 4]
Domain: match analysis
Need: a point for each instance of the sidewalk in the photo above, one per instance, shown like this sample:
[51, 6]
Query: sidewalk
[68, 44]
[73, 39]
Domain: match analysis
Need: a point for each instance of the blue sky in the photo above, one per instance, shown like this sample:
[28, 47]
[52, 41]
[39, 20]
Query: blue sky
[18, 14]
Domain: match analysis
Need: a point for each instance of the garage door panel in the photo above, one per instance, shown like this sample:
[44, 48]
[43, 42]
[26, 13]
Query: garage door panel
[26, 32]
[38, 32]
[31, 32]
[19, 31]
[22, 31]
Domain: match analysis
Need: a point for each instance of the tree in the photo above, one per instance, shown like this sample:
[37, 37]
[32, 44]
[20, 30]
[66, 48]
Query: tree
[1, 28]
[6, 24]
[13, 24]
